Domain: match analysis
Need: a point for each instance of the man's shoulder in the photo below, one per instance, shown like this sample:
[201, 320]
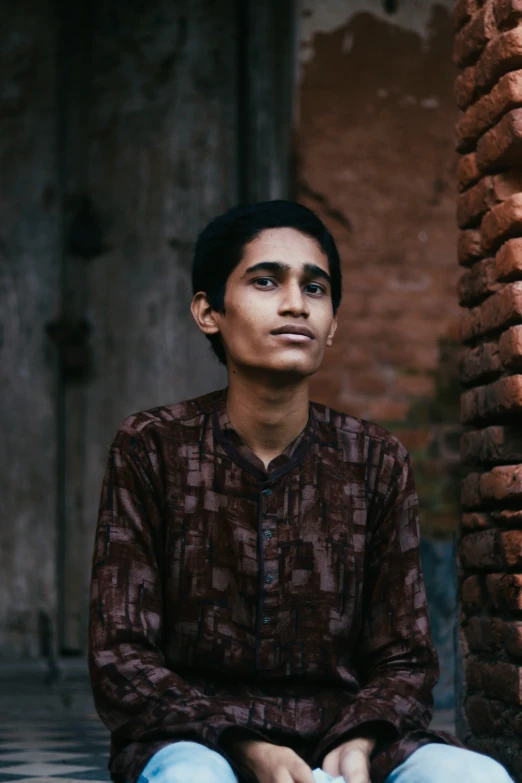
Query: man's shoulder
[191, 412]
[350, 430]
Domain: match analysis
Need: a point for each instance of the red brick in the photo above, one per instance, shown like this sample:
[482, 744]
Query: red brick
[509, 260]
[502, 681]
[475, 521]
[508, 13]
[505, 591]
[502, 54]
[471, 39]
[483, 114]
[414, 439]
[469, 247]
[475, 202]
[510, 348]
[492, 400]
[491, 550]
[502, 483]
[511, 548]
[478, 283]
[501, 145]
[470, 491]
[472, 594]
[467, 171]
[502, 222]
[498, 311]
[384, 409]
[473, 668]
[418, 385]
[480, 363]
[480, 551]
[507, 518]
[369, 382]
[489, 191]
[465, 88]
[481, 718]
[512, 638]
[491, 444]
[462, 12]
[484, 634]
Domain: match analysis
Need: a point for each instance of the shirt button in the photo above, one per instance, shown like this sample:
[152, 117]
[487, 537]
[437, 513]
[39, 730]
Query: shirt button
[267, 492]
[266, 620]
[268, 535]
[269, 579]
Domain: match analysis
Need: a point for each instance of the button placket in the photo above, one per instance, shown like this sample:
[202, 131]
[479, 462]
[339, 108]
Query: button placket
[265, 579]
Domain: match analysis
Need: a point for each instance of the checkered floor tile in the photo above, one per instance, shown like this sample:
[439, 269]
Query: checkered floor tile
[52, 748]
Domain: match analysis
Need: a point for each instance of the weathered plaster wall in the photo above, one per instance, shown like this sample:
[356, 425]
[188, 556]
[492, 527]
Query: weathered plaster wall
[375, 158]
[29, 273]
[161, 162]
[125, 128]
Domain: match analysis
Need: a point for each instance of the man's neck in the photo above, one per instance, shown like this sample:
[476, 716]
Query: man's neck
[267, 415]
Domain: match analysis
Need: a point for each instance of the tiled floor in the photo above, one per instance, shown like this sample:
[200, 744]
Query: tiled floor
[49, 729]
[50, 749]
[50, 732]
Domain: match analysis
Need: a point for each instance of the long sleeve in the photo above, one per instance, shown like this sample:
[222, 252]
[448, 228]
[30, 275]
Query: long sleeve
[396, 658]
[136, 695]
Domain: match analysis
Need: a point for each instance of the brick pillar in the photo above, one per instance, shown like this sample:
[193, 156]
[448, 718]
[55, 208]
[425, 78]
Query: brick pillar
[488, 89]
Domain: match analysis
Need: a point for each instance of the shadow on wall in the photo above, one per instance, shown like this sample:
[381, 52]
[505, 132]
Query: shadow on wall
[431, 432]
[440, 574]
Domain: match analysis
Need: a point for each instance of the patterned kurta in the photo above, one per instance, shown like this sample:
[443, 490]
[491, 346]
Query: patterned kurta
[229, 600]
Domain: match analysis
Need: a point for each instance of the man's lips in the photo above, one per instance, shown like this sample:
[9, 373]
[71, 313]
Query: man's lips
[292, 329]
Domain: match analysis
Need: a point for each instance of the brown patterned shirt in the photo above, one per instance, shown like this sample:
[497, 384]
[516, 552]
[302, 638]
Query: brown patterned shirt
[286, 604]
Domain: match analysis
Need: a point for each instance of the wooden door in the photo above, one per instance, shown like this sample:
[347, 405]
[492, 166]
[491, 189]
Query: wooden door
[126, 127]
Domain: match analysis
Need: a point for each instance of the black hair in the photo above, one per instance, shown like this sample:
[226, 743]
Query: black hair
[219, 249]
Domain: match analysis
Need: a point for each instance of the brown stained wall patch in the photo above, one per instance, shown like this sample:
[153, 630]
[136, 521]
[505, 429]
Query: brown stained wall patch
[374, 140]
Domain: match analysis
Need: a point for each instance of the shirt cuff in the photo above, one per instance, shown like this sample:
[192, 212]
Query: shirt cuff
[382, 731]
[227, 737]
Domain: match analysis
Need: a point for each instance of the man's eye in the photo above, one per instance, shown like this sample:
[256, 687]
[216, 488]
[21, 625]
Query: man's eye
[264, 282]
[318, 289]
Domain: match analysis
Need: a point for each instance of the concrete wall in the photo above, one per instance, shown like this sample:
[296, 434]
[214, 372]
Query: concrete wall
[162, 162]
[29, 297]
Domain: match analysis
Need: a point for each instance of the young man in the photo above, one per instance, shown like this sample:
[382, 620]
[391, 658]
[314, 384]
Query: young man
[257, 603]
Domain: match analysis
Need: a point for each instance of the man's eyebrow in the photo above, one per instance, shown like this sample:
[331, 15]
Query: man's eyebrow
[267, 266]
[315, 271]
[311, 270]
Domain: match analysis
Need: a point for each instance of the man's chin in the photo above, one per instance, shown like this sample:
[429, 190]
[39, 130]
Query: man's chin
[288, 368]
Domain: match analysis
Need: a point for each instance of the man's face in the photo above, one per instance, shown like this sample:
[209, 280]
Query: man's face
[278, 305]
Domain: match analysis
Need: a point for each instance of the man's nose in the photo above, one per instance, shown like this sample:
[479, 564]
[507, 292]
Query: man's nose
[294, 300]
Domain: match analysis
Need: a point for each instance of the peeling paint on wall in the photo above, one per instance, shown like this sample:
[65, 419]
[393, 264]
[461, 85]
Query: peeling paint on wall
[375, 158]
[326, 16]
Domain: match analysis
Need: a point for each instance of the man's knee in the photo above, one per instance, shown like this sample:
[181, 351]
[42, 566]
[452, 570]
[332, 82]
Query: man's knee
[436, 763]
[184, 761]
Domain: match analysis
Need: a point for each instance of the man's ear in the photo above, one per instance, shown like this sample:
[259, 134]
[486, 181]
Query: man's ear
[333, 327]
[203, 314]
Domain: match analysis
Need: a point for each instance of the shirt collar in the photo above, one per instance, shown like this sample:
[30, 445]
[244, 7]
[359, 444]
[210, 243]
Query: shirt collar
[237, 450]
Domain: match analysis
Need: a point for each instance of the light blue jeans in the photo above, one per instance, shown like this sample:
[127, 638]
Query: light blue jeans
[191, 762]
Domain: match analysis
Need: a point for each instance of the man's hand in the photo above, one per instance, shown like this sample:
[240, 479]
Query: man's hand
[272, 763]
[351, 759]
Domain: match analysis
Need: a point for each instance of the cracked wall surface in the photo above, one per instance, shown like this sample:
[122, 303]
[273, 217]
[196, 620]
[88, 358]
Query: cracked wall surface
[375, 158]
